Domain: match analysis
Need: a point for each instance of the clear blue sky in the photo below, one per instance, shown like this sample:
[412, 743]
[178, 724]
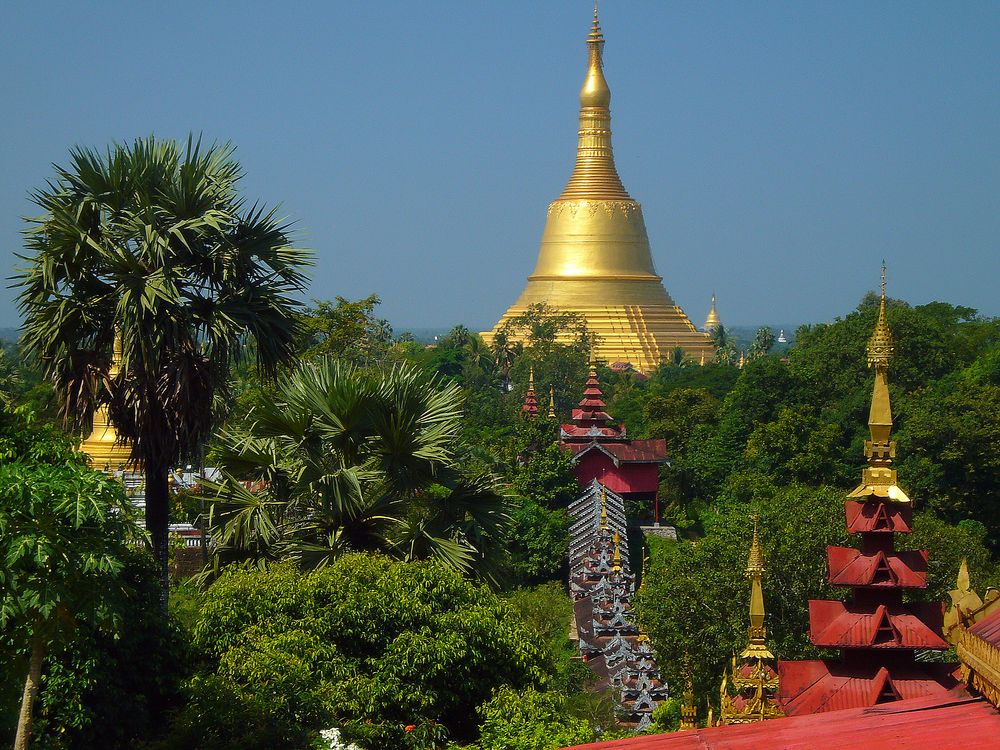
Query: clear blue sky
[780, 150]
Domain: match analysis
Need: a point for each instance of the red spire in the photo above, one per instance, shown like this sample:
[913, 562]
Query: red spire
[530, 407]
[592, 406]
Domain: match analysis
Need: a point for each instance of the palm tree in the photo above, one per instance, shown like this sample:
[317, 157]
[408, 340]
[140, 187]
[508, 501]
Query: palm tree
[149, 247]
[342, 459]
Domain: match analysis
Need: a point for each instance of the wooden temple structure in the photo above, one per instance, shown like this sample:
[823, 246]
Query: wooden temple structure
[602, 585]
[602, 451]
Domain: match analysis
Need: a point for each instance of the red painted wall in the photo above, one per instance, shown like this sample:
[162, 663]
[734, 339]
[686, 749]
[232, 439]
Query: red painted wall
[624, 478]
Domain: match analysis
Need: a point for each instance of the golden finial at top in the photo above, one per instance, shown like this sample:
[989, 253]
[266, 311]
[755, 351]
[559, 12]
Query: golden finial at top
[552, 402]
[880, 345]
[531, 378]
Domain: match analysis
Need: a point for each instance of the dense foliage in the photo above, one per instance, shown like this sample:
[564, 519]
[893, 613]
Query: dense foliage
[365, 644]
[340, 459]
[148, 254]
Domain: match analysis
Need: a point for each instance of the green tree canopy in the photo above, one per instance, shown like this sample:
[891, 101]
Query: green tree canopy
[341, 459]
[366, 644]
[150, 245]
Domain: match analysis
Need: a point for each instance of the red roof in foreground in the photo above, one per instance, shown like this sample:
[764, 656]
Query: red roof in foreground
[934, 723]
[878, 516]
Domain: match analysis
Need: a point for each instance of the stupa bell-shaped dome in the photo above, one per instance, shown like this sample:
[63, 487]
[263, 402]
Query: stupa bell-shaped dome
[595, 258]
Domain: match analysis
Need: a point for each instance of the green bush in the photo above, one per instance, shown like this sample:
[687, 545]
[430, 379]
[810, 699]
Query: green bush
[530, 720]
[367, 644]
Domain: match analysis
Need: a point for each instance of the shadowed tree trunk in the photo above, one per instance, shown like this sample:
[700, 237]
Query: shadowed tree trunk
[30, 693]
[157, 520]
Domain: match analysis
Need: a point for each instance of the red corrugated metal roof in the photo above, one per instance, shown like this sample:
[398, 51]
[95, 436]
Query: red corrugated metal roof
[835, 624]
[923, 723]
[852, 567]
[808, 687]
[632, 452]
[878, 516]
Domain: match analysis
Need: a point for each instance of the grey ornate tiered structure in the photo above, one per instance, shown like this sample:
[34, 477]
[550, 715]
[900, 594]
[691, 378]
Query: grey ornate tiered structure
[601, 584]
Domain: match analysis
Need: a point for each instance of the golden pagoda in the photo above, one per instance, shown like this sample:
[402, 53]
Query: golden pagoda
[594, 258]
[713, 320]
[748, 692]
[104, 451]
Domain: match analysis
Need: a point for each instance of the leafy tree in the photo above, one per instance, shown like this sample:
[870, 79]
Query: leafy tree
[530, 720]
[341, 459]
[111, 689]
[345, 330]
[150, 245]
[61, 555]
[800, 447]
[678, 414]
[762, 343]
[725, 347]
[950, 451]
[366, 644]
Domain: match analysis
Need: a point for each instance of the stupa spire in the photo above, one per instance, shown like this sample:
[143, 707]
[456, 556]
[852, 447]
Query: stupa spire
[757, 647]
[595, 176]
[552, 402]
[879, 477]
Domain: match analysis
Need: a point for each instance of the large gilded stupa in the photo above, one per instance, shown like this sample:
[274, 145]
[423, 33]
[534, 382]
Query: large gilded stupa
[594, 258]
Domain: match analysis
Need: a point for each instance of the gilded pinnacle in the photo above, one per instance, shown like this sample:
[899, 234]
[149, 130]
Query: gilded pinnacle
[880, 345]
[552, 402]
[879, 477]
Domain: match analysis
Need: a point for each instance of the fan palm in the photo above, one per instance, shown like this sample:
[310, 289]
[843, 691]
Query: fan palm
[150, 248]
[342, 459]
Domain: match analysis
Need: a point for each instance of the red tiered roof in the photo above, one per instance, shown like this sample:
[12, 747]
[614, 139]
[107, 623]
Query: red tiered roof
[834, 624]
[876, 632]
[602, 450]
[878, 516]
[852, 567]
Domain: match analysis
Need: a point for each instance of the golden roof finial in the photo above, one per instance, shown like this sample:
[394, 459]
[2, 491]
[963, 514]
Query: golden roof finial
[879, 477]
[616, 558]
[531, 378]
[757, 646]
[552, 402]
[595, 176]
[880, 345]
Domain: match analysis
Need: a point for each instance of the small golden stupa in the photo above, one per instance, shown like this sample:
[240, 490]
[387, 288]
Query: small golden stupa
[594, 258]
[712, 321]
[104, 451]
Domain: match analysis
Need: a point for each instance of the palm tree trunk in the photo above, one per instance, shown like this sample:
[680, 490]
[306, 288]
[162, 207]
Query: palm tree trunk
[157, 520]
[30, 692]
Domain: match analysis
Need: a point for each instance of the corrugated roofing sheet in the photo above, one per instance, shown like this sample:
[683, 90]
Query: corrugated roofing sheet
[918, 724]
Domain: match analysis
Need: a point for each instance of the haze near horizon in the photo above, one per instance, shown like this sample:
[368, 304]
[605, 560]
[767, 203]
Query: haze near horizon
[780, 151]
